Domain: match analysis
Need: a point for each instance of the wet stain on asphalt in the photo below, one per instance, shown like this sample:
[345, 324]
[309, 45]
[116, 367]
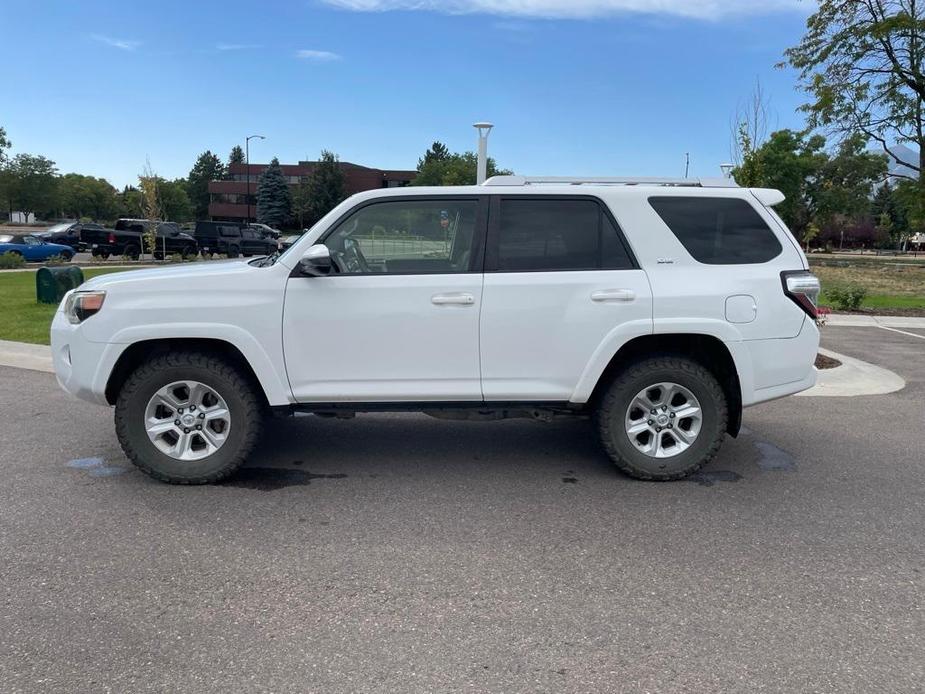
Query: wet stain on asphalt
[570, 480]
[96, 467]
[774, 458]
[268, 479]
[708, 479]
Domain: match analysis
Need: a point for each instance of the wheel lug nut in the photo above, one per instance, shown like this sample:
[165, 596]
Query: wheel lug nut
[652, 411]
[180, 411]
[651, 422]
[192, 407]
[658, 428]
[671, 415]
[664, 408]
[185, 430]
[202, 415]
[198, 427]
[177, 422]
[671, 426]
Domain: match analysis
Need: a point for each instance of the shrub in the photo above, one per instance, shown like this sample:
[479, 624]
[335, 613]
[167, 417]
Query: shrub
[55, 260]
[846, 297]
[175, 258]
[11, 260]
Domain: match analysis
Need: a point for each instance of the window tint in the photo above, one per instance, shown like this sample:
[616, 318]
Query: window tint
[556, 234]
[718, 231]
[406, 237]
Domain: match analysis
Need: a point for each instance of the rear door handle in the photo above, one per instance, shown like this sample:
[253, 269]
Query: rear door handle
[613, 295]
[458, 299]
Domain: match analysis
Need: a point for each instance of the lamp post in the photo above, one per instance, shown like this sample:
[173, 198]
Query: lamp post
[727, 170]
[247, 166]
[482, 171]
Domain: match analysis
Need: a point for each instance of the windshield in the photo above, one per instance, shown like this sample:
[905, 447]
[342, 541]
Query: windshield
[56, 228]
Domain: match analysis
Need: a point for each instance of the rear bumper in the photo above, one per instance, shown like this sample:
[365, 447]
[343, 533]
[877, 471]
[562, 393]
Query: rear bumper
[771, 369]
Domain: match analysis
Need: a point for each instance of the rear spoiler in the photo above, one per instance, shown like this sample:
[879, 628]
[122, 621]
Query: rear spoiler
[768, 196]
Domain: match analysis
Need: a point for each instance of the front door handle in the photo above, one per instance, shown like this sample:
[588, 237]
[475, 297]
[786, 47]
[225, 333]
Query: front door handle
[458, 299]
[613, 295]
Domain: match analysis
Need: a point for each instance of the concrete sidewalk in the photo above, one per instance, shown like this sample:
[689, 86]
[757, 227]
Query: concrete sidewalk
[854, 320]
[25, 356]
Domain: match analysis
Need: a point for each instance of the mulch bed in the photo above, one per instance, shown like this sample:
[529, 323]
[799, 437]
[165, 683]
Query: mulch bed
[824, 362]
[914, 312]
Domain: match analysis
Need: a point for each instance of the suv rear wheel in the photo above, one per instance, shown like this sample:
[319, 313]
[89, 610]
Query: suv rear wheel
[662, 418]
[188, 418]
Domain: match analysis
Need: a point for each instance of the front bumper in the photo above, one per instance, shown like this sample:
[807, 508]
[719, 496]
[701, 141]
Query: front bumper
[82, 367]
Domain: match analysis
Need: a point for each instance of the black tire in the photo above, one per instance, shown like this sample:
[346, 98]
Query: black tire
[233, 251]
[245, 408]
[158, 255]
[611, 412]
[133, 252]
[68, 257]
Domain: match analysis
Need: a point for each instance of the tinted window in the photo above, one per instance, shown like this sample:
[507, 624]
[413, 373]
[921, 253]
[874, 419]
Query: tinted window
[558, 234]
[718, 231]
[406, 237]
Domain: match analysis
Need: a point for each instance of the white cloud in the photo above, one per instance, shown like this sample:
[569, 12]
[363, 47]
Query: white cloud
[123, 44]
[577, 9]
[317, 56]
[235, 46]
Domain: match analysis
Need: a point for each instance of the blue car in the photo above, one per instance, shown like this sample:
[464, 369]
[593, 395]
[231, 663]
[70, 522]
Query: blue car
[32, 248]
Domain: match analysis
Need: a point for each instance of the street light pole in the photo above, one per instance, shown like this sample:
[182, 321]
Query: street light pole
[247, 166]
[482, 170]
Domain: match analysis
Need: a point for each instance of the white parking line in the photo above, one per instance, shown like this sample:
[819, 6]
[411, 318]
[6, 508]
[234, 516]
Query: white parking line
[902, 332]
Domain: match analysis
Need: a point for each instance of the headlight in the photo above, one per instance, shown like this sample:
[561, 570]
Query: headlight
[82, 305]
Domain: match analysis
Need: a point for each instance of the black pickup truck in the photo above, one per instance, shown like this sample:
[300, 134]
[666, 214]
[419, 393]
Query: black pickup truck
[127, 238]
[232, 239]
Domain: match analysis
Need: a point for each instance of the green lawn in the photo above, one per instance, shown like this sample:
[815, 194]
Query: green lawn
[22, 318]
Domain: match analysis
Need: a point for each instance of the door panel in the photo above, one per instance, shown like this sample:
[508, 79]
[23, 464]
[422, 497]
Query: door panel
[561, 288]
[540, 330]
[398, 320]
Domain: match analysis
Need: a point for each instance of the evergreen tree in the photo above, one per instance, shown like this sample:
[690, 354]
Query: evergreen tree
[325, 188]
[208, 167]
[236, 157]
[274, 200]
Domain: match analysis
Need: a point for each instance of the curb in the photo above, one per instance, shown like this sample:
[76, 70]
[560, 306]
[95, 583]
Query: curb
[853, 378]
[21, 355]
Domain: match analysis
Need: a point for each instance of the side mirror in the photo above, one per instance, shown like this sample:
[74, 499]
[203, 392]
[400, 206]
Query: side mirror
[316, 261]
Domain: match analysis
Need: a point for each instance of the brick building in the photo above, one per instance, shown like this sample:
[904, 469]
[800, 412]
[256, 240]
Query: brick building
[228, 200]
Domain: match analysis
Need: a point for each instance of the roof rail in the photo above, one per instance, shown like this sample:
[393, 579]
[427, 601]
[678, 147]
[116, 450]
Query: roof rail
[610, 181]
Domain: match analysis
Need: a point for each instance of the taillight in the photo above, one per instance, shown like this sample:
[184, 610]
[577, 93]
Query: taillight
[803, 288]
[111, 238]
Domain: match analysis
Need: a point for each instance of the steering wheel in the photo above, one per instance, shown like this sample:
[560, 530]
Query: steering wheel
[351, 261]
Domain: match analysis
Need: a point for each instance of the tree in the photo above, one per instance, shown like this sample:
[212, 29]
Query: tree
[151, 204]
[174, 200]
[30, 184]
[440, 168]
[235, 157]
[788, 161]
[130, 203]
[861, 63]
[846, 181]
[208, 167]
[274, 200]
[5, 144]
[85, 196]
[323, 190]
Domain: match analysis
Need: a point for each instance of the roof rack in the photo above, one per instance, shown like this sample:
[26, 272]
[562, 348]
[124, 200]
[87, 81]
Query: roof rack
[610, 181]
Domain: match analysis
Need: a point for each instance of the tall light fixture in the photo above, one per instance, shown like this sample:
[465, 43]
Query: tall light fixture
[247, 165]
[482, 171]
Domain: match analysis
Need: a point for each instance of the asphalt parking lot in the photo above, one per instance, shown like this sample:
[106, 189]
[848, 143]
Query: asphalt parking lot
[399, 553]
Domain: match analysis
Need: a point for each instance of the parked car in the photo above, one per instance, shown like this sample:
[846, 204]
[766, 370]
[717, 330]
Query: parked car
[68, 234]
[265, 230]
[127, 239]
[286, 241]
[233, 240]
[32, 248]
[660, 309]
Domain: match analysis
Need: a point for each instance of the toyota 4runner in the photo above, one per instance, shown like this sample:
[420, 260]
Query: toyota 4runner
[658, 308]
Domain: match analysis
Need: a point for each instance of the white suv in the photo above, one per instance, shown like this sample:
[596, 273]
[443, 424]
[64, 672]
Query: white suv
[660, 308]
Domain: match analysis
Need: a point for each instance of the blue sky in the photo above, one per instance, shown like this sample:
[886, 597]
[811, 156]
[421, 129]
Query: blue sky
[598, 87]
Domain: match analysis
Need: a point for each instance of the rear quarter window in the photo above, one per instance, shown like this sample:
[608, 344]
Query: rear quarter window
[718, 231]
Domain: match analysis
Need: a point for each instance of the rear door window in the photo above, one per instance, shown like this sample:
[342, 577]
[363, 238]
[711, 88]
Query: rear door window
[718, 231]
[556, 234]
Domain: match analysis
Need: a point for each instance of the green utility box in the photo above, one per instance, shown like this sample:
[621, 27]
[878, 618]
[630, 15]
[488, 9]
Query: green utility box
[52, 283]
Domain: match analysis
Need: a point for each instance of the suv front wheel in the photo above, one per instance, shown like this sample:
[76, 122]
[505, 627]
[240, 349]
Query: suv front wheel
[662, 418]
[188, 418]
